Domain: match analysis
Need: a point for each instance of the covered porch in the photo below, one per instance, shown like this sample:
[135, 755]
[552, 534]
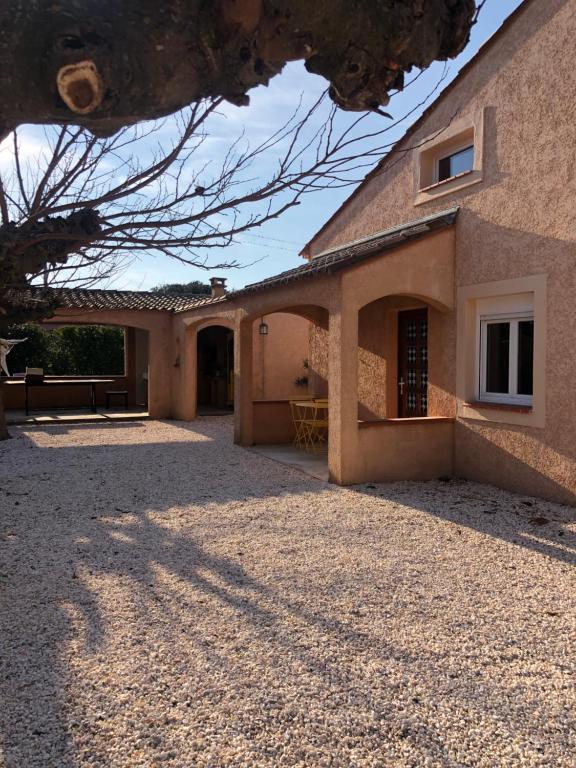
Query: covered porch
[68, 415]
[141, 388]
[381, 352]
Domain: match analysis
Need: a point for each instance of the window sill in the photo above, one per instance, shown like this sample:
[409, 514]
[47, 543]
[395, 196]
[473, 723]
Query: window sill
[438, 184]
[406, 422]
[481, 405]
[448, 186]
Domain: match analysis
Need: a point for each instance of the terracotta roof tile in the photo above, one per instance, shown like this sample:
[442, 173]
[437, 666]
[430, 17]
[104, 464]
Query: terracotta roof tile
[324, 263]
[352, 253]
[83, 298]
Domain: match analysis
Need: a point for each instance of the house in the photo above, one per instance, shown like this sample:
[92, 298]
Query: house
[443, 292]
[441, 296]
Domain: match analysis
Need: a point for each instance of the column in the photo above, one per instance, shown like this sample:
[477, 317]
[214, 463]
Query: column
[343, 394]
[161, 368]
[130, 364]
[185, 393]
[243, 395]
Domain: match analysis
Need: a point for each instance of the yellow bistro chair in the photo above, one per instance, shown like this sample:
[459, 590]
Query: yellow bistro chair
[315, 426]
[298, 417]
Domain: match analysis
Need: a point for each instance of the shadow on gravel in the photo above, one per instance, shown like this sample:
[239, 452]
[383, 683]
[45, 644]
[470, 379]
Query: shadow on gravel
[532, 523]
[49, 552]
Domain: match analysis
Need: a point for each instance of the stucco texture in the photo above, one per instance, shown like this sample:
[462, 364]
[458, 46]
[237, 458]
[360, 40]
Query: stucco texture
[279, 357]
[516, 220]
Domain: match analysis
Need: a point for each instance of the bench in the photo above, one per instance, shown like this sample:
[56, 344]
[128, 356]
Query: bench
[121, 393]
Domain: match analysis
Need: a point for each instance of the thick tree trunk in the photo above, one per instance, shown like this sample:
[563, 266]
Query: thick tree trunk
[3, 429]
[108, 63]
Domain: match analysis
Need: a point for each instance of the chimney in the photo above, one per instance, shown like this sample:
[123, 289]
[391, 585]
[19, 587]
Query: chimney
[218, 285]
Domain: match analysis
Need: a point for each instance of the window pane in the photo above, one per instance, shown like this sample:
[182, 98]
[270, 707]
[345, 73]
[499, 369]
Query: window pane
[497, 357]
[444, 167]
[525, 357]
[463, 161]
[459, 162]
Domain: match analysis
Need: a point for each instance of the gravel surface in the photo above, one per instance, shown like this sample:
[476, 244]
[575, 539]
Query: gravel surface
[169, 599]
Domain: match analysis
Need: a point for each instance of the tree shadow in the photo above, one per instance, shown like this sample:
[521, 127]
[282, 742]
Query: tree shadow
[61, 544]
[136, 526]
[525, 521]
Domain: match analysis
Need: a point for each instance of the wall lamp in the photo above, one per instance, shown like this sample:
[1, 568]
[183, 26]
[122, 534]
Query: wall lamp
[263, 328]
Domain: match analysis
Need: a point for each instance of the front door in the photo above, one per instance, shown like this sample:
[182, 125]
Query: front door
[413, 363]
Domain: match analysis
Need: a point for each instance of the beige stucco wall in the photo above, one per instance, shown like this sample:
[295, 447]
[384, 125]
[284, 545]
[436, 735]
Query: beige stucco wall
[140, 365]
[273, 422]
[405, 449]
[279, 356]
[516, 220]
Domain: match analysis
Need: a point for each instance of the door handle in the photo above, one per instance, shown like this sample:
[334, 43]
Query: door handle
[401, 385]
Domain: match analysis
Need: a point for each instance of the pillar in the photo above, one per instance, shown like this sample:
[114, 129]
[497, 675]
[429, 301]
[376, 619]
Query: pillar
[343, 448]
[161, 368]
[243, 395]
[130, 364]
[185, 390]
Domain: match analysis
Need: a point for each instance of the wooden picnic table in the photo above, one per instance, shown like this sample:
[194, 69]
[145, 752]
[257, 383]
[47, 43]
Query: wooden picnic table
[61, 383]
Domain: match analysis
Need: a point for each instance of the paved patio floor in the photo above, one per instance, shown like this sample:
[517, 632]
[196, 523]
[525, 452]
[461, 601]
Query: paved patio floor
[170, 599]
[74, 416]
[313, 464]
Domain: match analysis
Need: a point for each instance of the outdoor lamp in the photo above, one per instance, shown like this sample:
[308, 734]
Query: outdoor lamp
[263, 328]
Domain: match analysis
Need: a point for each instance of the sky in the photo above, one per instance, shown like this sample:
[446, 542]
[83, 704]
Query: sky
[275, 246]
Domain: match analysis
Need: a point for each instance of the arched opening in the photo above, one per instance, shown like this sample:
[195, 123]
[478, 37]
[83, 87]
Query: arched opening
[401, 359]
[276, 371]
[215, 369]
[77, 366]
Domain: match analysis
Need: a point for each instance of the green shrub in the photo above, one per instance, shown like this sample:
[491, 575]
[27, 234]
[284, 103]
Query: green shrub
[82, 350]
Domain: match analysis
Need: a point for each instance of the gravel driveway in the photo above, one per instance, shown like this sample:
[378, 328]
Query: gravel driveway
[169, 599]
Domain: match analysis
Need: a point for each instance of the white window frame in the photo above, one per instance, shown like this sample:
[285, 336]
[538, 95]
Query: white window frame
[453, 151]
[511, 397]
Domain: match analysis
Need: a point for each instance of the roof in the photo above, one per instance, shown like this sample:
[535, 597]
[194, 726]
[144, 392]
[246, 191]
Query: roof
[417, 123]
[97, 299]
[352, 253]
[325, 263]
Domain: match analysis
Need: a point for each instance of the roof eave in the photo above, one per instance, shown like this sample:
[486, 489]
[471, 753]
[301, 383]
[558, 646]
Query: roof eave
[371, 247]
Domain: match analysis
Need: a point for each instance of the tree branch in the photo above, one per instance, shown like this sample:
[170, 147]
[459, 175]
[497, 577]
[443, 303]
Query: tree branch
[105, 64]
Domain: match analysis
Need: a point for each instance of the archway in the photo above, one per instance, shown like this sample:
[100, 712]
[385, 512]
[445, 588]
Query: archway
[215, 369]
[274, 369]
[81, 364]
[403, 358]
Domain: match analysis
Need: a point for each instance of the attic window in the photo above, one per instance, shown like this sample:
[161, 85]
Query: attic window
[454, 164]
[448, 161]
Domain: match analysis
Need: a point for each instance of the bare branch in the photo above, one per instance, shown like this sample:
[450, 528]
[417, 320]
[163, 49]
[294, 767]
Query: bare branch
[4, 205]
[81, 212]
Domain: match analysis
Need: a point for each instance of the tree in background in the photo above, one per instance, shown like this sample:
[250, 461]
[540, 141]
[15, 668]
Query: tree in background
[90, 350]
[194, 288]
[83, 350]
